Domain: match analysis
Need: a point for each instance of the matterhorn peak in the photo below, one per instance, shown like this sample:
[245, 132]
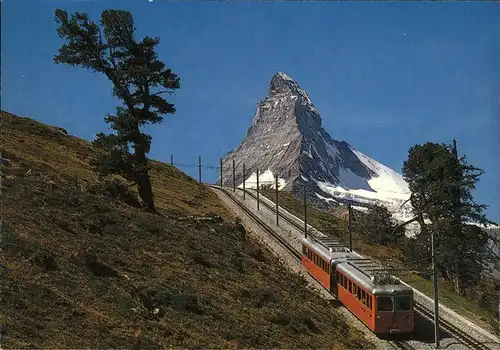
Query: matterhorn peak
[286, 140]
[283, 83]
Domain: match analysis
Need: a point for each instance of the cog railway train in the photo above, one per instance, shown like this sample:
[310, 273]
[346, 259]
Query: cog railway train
[382, 303]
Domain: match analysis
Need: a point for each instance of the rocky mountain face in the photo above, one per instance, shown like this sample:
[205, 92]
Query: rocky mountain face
[286, 139]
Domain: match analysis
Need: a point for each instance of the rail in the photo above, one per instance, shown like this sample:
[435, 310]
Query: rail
[445, 325]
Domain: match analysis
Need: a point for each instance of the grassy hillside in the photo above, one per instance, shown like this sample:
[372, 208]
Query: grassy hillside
[482, 310]
[81, 268]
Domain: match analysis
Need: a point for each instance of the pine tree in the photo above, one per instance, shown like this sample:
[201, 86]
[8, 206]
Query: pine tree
[378, 226]
[139, 80]
[441, 185]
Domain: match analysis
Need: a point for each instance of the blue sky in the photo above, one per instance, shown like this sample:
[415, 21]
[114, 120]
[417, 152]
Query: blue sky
[384, 76]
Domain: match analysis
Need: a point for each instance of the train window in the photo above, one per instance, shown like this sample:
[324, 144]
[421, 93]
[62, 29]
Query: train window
[384, 304]
[337, 276]
[363, 297]
[304, 250]
[403, 303]
[349, 284]
[369, 301]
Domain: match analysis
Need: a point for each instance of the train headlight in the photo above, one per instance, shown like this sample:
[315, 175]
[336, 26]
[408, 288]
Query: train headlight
[408, 319]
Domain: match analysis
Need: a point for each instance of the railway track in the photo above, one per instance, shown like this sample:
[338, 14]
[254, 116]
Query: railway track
[451, 329]
[284, 244]
[445, 326]
[287, 246]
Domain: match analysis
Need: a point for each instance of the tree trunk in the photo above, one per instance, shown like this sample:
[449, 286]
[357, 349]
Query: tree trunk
[143, 182]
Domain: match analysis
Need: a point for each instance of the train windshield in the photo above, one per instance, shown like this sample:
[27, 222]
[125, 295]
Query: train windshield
[384, 304]
[403, 303]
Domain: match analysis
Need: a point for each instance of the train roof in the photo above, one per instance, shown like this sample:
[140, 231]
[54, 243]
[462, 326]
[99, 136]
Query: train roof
[367, 273]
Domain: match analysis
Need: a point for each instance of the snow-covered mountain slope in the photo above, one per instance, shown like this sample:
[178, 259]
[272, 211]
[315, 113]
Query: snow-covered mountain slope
[286, 139]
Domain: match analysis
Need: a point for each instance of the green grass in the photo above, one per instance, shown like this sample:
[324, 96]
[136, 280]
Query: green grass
[83, 270]
[335, 223]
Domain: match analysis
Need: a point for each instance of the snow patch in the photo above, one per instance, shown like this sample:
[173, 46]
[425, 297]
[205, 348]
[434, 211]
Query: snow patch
[488, 226]
[352, 181]
[286, 144]
[387, 182]
[325, 198]
[304, 178]
[266, 178]
[363, 209]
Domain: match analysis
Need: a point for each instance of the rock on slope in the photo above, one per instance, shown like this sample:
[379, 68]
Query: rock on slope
[286, 138]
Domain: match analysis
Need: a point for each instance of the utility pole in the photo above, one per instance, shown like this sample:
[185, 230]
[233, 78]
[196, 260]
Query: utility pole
[434, 275]
[277, 213]
[244, 180]
[172, 159]
[435, 279]
[221, 172]
[305, 213]
[349, 209]
[257, 189]
[234, 179]
[199, 168]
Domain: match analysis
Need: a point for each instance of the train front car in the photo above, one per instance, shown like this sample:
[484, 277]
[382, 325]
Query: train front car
[380, 301]
[393, 309]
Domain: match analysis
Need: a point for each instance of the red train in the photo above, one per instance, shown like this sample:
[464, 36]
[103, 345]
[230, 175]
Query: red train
[382, 303]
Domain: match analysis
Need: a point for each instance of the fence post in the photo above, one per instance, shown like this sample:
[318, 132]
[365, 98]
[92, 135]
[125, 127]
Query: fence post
[257, 189]
[349, 210]
[172, 159]
[277, 213]
[244, 180]
[221, 172]
[305, 213]
[234, 179]
[199, 168]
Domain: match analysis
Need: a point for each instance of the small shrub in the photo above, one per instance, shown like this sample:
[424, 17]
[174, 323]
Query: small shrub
[98, 268]
[116, 188]
[283, 319]
[200, 260]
